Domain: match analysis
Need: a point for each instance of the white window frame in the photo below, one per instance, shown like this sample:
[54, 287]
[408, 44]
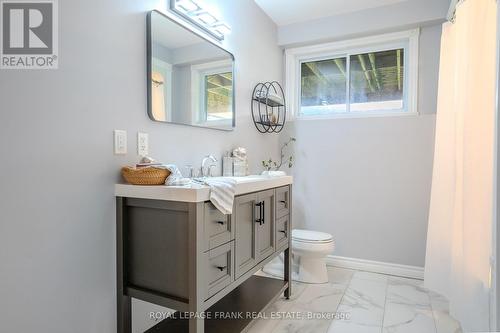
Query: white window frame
[198, 93]
[407, 40]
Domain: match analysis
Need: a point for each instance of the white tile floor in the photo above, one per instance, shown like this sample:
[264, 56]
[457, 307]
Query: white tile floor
[363, 303]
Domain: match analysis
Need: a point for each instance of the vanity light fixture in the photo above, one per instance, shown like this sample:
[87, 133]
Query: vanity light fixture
[222, 28]
[195, 13]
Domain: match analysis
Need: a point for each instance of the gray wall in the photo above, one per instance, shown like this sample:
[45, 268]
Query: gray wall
[57, 232]
[367, 180]
[402, 15]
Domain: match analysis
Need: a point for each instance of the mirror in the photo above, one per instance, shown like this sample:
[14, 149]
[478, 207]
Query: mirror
[190, 79]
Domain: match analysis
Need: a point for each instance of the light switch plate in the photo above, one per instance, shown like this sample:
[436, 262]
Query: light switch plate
[120, 140]
[142, 144]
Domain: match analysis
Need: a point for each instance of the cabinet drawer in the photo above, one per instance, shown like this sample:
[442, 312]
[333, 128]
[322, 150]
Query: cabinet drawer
[219, 269]
[218, 227]
[282, 201]
[282, 231]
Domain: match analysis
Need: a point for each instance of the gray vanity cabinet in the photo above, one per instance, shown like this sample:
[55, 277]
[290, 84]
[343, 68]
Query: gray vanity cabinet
[218, 227]
[245, 215]
[189, 256]
[265, 242]
[254, 220]
[219, 270]
[282, 201]
[282, 231]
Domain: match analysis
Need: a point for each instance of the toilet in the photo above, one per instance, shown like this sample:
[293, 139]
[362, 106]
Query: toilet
[309, 250]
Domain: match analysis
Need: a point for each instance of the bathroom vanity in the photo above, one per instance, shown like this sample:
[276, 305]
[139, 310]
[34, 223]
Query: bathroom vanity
[175, 249]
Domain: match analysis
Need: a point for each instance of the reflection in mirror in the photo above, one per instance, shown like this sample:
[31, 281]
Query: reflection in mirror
[190, 79]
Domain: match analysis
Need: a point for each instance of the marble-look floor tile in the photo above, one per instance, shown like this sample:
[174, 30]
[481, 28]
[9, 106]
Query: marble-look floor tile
[362, 307]
[402, 292]
[404, 280]
[407, 318]
[320, 301]
[281, 305]
[371, 276]
[363, 302]
[320, 298]
[268, 324]
[438, 302]
[408, 308]
[302, 326]
[339, 326]
[440, 309]
[339, 276]
[445, 323]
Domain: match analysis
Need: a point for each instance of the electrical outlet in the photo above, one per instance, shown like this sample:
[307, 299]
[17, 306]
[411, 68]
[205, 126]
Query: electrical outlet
[120, 142]
[142, 144]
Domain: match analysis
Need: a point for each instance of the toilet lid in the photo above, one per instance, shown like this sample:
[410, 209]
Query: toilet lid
[310, 236]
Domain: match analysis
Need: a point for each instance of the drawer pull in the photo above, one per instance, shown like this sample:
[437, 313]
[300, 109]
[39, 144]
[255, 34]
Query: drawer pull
[221, 268]
[263, 212]
[283, 202]
[221, 222]
[283, 231]
[260, 220]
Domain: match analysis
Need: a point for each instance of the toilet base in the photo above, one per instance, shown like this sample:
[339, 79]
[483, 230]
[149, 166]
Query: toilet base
[312, 270]
[305, 270]
[276, 268]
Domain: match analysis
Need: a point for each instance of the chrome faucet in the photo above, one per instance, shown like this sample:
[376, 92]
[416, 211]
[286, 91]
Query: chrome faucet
[206, 172]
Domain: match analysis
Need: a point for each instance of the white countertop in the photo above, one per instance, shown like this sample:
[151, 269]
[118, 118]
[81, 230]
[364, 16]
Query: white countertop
[198, 193]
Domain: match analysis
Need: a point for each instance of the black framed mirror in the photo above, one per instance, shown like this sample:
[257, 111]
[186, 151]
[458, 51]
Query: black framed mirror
[190, 79]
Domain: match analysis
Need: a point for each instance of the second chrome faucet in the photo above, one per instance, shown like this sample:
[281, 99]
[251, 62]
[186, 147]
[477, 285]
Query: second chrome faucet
[206, 171]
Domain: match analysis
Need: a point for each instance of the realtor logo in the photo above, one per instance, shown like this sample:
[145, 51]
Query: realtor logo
[29, 34]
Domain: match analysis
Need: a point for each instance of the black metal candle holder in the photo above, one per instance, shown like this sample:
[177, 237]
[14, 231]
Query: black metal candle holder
[269, 107]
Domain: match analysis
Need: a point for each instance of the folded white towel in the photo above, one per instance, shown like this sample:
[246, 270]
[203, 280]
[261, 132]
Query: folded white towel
[175, 178]
[222, 192]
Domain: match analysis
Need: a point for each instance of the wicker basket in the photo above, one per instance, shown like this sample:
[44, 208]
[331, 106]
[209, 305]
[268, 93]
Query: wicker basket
[145, 176]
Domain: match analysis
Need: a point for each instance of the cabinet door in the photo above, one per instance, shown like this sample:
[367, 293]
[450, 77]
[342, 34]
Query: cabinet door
[265, 229]
[245, 213]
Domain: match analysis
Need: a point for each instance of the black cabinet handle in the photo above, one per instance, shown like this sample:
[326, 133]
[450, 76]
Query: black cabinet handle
[221, 222]
[263, 212]
[283, 202]
[283, 231]
[221, 268]
[259, 220]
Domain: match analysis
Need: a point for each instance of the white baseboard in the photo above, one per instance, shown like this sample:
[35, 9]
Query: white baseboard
[413, 272]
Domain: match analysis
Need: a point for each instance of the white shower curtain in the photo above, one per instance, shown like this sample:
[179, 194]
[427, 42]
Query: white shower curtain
[459, 240]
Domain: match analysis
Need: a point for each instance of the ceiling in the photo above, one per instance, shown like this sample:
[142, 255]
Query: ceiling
[284, 12]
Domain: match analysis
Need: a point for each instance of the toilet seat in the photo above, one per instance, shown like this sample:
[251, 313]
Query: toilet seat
[309, 236]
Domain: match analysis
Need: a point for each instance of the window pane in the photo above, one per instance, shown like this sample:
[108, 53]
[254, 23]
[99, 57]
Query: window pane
[377, 81]
[323, 87]
[219, 96]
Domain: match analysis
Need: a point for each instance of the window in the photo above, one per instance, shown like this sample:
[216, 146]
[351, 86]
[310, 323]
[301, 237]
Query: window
[218, 96]
[362, 77]
[212, 93]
